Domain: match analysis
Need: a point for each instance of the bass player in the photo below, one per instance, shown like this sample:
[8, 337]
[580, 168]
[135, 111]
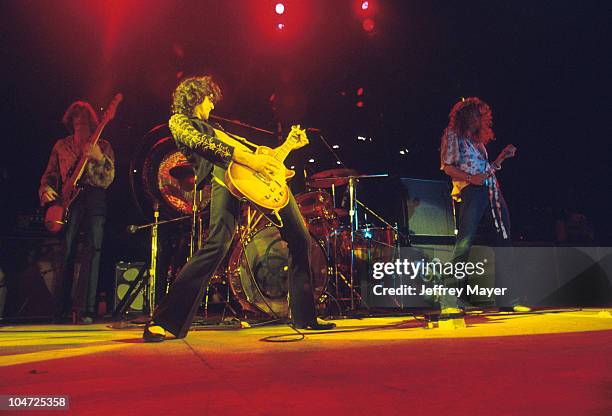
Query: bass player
[88, 212]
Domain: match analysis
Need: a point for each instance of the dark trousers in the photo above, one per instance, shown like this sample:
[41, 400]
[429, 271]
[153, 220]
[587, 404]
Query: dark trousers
[87, 214]
[474, 214]
[177, 310]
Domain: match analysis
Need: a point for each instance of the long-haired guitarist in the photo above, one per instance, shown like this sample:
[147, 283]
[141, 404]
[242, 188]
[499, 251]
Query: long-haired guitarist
[476, 191]
[88, 212]
[210, 151]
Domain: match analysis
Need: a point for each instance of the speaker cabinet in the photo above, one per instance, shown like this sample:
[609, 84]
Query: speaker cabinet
[125, 275]
[428, 208]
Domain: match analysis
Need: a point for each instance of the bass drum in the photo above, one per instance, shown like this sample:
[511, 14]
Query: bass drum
[258, 272]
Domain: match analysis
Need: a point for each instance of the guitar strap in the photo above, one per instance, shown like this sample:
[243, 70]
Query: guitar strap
[239, 139]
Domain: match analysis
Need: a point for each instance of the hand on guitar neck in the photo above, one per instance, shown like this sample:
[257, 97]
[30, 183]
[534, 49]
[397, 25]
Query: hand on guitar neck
[93, 151]
[261, 177]
[265, 159]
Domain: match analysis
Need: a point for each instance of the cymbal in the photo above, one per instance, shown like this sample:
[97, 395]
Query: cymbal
[327, 178]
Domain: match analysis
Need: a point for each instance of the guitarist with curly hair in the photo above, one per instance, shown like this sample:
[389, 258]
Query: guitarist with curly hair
[211, 153]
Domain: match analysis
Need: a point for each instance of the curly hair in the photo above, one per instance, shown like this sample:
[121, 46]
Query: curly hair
[462, 114]
[191, 92]
[76, 108]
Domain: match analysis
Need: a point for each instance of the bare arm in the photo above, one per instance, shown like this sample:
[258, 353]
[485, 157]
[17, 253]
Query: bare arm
[508, 152]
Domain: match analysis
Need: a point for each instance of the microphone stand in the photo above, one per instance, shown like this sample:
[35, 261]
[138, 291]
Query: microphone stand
[153, 269]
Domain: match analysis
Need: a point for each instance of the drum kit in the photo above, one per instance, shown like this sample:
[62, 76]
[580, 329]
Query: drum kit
[344, 246]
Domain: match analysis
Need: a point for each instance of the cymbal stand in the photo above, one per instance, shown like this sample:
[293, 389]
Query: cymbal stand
[195, 237]
[352, 224]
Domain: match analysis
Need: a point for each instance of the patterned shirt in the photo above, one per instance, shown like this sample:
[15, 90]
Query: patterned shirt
[465, 155]
[64, 157]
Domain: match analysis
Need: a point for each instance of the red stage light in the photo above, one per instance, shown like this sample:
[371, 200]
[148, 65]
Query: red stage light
[365, 5]
[360, 104]
[368, 24]
[279, 8]
[280, 26]
[359, 91]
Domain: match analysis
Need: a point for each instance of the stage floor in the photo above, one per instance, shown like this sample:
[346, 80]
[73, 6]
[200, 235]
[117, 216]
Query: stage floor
[547, 362]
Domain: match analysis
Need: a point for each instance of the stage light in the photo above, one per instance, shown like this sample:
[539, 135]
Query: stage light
[402, 152]
[280, 26]
[359, 104]
[363, 139]
[338, 162]
[365, 5]
[279, 8]
[336, 146]
[311, 160]
[359, 91]
[368, 24]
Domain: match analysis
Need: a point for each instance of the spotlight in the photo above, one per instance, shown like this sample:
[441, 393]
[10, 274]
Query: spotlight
[368, 24]
[280, 26]
[360, 91]
[311, 160]
[279, 8]
[336, 146]
[365, 5]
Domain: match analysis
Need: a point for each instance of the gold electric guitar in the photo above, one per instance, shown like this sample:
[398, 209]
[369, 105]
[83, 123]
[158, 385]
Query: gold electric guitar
[268, 194]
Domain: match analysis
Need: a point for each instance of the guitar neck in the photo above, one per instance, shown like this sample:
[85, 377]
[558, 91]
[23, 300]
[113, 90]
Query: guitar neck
[80, 167]
[283, 151]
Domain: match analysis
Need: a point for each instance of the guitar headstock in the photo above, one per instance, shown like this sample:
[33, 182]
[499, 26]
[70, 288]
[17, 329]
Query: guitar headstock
[111, 110]
[297, 137]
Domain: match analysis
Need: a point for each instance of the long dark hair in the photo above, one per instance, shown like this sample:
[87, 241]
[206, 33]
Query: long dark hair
[74, 109]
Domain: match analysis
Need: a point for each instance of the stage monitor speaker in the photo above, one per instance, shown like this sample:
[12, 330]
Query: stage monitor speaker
[428, 208]
[125, 274]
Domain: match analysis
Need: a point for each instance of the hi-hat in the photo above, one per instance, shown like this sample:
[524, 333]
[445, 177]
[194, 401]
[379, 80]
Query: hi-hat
[327, 178]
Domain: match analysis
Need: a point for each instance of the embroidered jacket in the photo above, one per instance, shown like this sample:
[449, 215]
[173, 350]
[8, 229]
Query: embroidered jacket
[197, 140]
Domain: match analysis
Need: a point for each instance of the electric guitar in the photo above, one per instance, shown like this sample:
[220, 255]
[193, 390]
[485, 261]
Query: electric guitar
[56, 214]
[268, 194]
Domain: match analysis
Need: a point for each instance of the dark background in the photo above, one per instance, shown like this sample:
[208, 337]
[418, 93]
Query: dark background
[542, 66]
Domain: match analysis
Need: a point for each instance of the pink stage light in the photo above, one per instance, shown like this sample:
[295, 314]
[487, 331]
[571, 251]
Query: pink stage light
[365, 5]
[368, 24]
[279, 8]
